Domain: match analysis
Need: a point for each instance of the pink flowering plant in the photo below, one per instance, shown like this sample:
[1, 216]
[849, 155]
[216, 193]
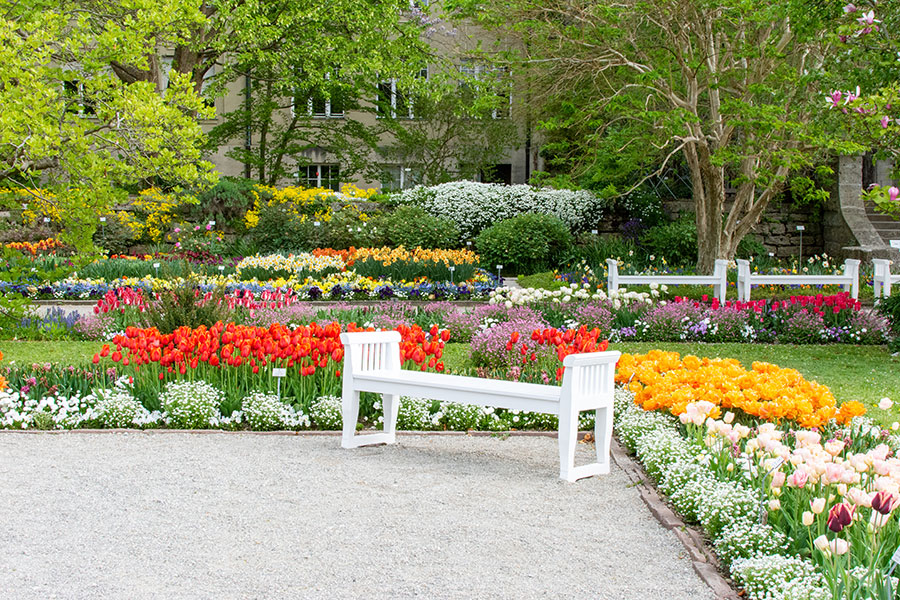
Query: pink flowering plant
[832, 494]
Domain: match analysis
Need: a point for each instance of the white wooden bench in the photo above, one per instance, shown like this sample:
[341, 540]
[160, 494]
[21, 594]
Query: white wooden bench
[883, 277]
[372, 364]
[849, 279]
[719, 278]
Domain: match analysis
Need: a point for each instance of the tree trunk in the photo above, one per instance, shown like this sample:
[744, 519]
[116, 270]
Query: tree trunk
[708, 181]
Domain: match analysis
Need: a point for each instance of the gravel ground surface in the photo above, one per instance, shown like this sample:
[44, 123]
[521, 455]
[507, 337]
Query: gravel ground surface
[136, 515]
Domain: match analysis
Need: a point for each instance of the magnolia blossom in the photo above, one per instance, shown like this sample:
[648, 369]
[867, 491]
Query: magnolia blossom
[893, 193]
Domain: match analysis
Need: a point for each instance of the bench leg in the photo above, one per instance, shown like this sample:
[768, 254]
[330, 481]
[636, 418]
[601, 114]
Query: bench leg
[568, 438]
[391, 403]
[350, 415]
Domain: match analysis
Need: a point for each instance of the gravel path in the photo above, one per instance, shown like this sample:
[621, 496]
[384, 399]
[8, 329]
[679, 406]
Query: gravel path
[219, 516]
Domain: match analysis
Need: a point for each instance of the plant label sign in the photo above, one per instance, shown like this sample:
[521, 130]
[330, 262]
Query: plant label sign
[221, 268]
[895, 244]
[103, 219]
[801, 228]
[155, 265]
[46, 219]
[317, 224]
[279, 372]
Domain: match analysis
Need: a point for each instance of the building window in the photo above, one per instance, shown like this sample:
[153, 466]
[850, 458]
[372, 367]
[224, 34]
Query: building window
[324, 102]
[76, 100]
[479, 74]
[396, 102]
[397, 177]
[323, 176]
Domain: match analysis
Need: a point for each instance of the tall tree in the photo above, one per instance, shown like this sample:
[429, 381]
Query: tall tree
[734, 86]
[71, 132]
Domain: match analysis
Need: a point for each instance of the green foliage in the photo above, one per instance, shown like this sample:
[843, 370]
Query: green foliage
[114, 236]
[546, 280]
[73, 136]
[185, 306]
[411, 227]
[890, 308]
[525, 244]
[226, 203]
[676, 241]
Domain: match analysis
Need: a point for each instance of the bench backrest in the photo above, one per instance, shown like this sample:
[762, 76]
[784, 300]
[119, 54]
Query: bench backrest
[588, 375]
[371, 351]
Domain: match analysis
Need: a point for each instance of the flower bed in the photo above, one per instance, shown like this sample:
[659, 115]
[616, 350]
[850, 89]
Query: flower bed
[816, 319]
[663, 380]
[792, 513]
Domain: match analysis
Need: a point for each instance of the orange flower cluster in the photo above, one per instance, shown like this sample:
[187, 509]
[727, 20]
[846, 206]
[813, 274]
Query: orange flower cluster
[2, 378]
[663, 380]
[344, 254]
[49, 245]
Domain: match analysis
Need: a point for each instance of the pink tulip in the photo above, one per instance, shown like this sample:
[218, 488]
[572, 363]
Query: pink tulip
[798, 478]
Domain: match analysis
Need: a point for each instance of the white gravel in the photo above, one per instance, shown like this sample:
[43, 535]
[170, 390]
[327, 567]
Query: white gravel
[138, 515]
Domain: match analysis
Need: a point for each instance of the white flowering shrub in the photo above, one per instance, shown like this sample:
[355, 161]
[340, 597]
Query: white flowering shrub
[118, 409]
[461, 417]
[192, 405]
[475, 206]
[725, 504]
[266, 412]
[778, 577]
[510, 297]
[746, 539]
[326, 412]
[18, 411]
[414, 414]
[686, 483]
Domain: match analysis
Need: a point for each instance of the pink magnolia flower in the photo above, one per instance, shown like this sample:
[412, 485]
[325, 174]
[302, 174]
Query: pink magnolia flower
[850, 8]
[835, 98]
[893, 193]
[885, 122]
[868, 18]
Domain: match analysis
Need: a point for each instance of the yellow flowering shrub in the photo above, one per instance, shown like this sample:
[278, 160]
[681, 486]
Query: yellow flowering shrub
[158, 211]
[297, 203]
[36, 204]
[665, 381]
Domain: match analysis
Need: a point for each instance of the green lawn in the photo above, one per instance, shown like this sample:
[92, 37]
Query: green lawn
[70, 353]
[864, 373]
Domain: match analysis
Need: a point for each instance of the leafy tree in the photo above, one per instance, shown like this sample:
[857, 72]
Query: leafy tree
[319, 61]
[73, 133]
[452, 134]
[868, 95]
[733, 86]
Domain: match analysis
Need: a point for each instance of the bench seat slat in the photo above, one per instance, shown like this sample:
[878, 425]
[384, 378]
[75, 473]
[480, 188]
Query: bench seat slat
[457, 388]
[669, 279]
